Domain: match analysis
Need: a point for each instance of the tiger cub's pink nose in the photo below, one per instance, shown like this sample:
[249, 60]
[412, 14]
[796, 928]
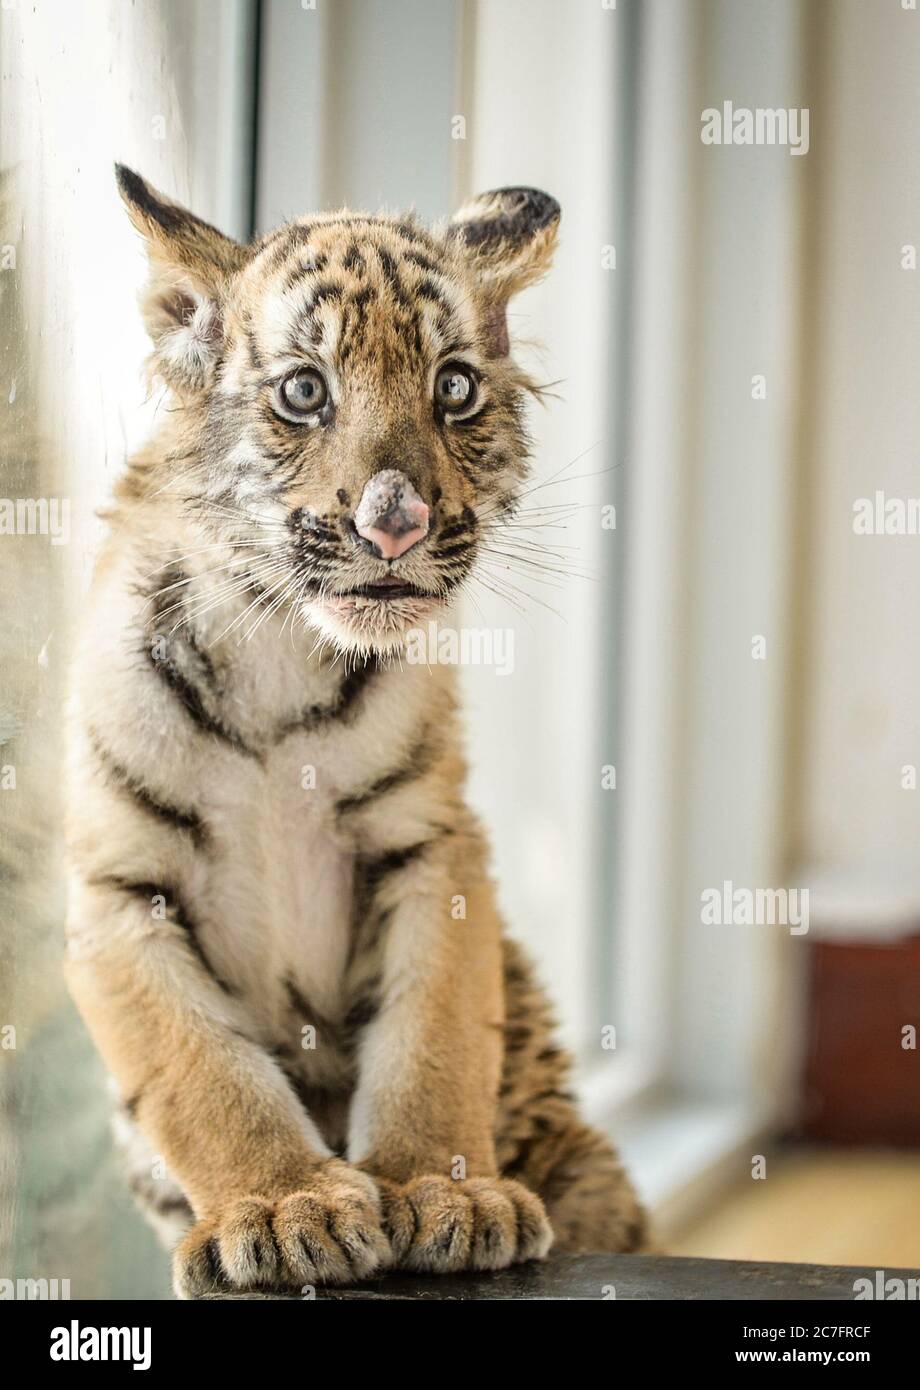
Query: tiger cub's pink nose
[390, 543]
[391, 515]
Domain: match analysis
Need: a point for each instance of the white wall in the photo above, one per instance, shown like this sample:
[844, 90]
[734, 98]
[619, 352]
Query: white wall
[860, 662]
[355, 100]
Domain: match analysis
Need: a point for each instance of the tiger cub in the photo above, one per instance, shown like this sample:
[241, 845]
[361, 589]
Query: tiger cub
[282, 933]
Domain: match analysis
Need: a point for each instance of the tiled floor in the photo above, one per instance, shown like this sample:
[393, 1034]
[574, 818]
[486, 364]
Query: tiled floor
[827, 1206]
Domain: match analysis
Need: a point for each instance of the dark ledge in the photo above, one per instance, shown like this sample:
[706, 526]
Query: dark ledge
[622, 1276]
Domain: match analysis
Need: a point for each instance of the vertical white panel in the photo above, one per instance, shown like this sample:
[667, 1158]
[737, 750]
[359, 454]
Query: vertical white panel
[355, 102]
[709, 543]
[658, 602]
[739, 458]
[212, 60]
[295, 81]
[861, 657]
[543, 114]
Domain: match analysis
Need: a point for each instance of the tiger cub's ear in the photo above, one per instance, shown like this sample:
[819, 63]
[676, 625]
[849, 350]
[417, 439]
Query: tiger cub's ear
[191, 265]
[508, 236]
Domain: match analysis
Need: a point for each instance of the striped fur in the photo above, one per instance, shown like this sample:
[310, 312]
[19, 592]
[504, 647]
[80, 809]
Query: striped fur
[325, 1067]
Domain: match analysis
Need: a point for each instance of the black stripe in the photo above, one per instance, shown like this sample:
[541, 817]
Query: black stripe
[413, 234]
[311, 266]
[295, 234]
[163, 1205]
[298, 1002]
[176, 910]
[130, 1104]
[320, 293]
[419, 762]
[427, 289]
[368, 920]
[190, 697]
[307, 322]
[422, 260]
[353, 260]
[342, 706]
[171, 1206]
[450, 533]
[375, 870]
[176, 680]
[361, 300]
[184, 820]
[446, 552]
[391, 273]
[338, 1034]
[353, 322]
[202, 655]
[365, 1009]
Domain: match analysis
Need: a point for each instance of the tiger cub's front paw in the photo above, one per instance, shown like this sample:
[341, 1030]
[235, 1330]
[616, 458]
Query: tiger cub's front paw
[439, 1224]
[329, 1233]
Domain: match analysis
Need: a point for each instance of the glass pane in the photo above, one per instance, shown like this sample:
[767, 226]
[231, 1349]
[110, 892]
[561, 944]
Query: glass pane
[81, 85]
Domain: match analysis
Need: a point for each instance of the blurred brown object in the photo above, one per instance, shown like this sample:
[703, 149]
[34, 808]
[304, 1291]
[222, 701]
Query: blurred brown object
[861, 1081]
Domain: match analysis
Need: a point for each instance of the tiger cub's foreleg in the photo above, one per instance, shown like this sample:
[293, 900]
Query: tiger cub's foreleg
[423, 1116]
[272, 1207]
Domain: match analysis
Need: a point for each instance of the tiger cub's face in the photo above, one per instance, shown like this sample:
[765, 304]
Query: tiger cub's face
[358, 419]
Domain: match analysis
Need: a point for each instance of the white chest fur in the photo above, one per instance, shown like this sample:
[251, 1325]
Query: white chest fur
[275, 899]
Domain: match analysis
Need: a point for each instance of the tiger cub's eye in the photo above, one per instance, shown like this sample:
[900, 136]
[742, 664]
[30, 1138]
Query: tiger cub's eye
[304, 392]
[454, 388]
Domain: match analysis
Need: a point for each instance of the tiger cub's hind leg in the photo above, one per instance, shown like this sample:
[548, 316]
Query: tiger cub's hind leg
[589, 1199]
[156, 1192]
[542, 1141]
